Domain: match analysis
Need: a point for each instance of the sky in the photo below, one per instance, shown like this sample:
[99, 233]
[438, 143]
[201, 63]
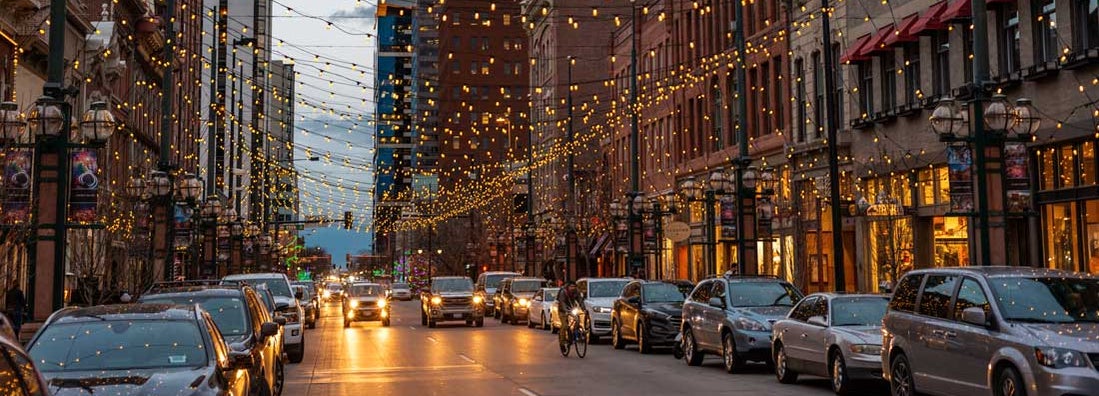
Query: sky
[332, 45]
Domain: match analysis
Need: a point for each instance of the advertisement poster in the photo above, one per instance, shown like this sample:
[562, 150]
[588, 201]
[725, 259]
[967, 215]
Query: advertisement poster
[959, 160]
[182, 216]
[728, 218]
[17, 187]
[1016, 180]
[84, 187]
[650, 237]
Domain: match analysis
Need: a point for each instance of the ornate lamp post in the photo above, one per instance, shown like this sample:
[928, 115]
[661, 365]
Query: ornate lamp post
[210, 211]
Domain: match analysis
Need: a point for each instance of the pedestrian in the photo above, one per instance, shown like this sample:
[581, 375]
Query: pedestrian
[16, 303]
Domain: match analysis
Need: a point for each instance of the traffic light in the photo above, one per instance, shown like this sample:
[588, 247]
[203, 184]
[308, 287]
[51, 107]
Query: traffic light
[347, 220]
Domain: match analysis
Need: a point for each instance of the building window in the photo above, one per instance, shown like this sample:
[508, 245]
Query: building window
[838, 94]
[765, 110]
[733, 103]
[777, 114]
[1045, 31]
[912, 92]
[717, 112]
[484, 68]
[473, 68]
[866, 89]
[888, 80]
[455, 43]
[456, 18]
[507, 19]
[940, 63]
[1009, 39]
[818, 95]
[799, 79]
[967, 53]
[1085, 27]
[455, 67]
[484, 43]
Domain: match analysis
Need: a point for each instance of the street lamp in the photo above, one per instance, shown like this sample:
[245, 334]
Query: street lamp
[98, 123]
[12, 125]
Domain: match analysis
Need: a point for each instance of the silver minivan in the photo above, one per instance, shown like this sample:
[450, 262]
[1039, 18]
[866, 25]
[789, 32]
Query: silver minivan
[1004, 331]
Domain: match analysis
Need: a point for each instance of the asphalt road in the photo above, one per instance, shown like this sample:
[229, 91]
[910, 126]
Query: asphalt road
[499, 359]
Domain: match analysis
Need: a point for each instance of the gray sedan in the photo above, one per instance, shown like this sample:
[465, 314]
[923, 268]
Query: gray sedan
[837, 336]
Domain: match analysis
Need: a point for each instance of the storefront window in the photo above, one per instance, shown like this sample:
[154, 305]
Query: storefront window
[942, 175]
[1061, 241]
[951, 241]
[1046, 169]
[1068, 174]
[890, 249]
[927, 186]
[933, 186]
[1087, 163]
[1091, 218]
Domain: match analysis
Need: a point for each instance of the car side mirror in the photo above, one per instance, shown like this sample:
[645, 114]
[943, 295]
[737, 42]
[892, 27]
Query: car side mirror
[975, 316]
[716, 302]
[279, 320]
[634, 300]
[269, 329]
[239, 360]
[299, 294]
[818, 320]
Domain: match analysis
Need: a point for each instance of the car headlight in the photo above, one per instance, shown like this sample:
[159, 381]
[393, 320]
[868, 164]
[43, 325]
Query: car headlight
[866, 349]
[354, 303]
[524, 302]
[1059, 357]
[327, 294]
[436, 300]
[599, 309]
[478, 300]
[382, 303]
[750, 324]
[660, 316]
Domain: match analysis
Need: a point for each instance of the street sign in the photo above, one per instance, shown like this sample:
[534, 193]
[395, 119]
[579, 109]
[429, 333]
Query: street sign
[677, 231]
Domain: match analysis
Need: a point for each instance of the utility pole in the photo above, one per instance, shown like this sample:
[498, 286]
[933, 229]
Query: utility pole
[981, 143]
[746, 258]
[162, 210]
[634, 259]
[570, 207]
[833, 151]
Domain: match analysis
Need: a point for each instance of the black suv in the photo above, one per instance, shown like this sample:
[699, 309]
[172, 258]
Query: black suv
[244, 321]
[515, 296]
[649, 313]
[138, 349]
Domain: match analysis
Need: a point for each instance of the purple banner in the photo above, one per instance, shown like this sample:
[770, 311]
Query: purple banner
[959, 160]
[728, 218]
[1016, 178]
[84, 188]
[650, 237]
[17, 187]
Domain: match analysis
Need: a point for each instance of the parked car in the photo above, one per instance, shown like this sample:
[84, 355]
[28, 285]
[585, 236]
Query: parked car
[286, 306]
[308, 301]
[732, 315]
[516, 296]
[451, 298]
[402, 292]
[831, 335]
[333, 291]
[18, 374]
[487, 282]
[365, 302]
[243, 321]
[1008, 331]
[138, 349]
[648, 313]
[599, 295]
[541, 306]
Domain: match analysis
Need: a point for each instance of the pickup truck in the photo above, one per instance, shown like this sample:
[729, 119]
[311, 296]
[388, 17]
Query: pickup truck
[451, 298]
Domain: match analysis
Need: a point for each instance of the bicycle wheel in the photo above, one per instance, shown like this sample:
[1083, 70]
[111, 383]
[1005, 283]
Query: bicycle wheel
[581, 343]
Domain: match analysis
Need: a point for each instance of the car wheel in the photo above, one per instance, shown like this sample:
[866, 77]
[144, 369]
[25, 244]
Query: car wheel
[901, 382]
[385, 322]
[782, 368]
[431, 323]
[616, 335]
[530, 323]
[1010, 383]
[733, 362]
[691, 354]
[313, 324]
[263, 390]
[480, 322]
[514, 318]
[643, 344]
[423, 317]
[545, 326]
[280, 377]
[496, 313]
[297, 356]
[841, 384]
[592, 338]
[346, 323]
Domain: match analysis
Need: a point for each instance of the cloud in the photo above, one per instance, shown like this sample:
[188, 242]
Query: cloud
[360, 15]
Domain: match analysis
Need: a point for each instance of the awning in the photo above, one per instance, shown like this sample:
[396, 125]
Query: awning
[597, 248]
[929, 21]
[852, 52]
[958, 9]
[903, 34]
[875, 43]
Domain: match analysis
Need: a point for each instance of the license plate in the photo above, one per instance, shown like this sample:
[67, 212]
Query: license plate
[454, 316]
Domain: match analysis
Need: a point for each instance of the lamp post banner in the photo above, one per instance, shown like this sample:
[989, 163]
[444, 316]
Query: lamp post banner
[183, 226]
[959, 160]
[17, 187]
[1017, 182]
[84, 188]
[728, 218]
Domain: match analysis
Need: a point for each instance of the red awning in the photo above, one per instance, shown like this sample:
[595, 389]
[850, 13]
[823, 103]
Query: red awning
[958, 9]
[875, 43]
[903, 34]
[852, 52]
[929, 21]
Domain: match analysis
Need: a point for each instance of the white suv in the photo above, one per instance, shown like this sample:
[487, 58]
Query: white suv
[286, 306]
[599, 295]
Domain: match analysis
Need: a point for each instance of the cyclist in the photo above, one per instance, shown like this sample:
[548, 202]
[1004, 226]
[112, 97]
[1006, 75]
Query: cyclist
[568, 297]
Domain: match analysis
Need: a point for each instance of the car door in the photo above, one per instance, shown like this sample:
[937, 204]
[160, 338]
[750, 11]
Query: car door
[627, 310]
[970, 346]
[931, 352]
[814, 339]
[795, 330]
[269, 347]
[696, 306]
[714, 317]
[536, 306]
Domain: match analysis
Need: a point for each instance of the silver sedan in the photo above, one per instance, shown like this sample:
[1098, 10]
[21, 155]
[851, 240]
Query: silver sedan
[541, 307]
[837, 336]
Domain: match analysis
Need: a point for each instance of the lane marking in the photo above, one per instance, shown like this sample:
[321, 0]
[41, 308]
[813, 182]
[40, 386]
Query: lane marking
[527, 392]
[467, 358]
[412, 327]
[432, 339]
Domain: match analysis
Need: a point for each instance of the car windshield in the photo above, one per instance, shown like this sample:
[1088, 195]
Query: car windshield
[305, 292]
[229, 313]
[277, 286]
[493, 281]
[550, 295]
[451, 285]
[662, 293]
[365, 290]
[400, 286]
[525, 286]
[1047, 300]
[609, 288]
[118, 345]
[858, 311]
[762, 294]
[334, 287]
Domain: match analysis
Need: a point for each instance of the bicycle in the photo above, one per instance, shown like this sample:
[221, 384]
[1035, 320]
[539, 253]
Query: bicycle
[577, 336]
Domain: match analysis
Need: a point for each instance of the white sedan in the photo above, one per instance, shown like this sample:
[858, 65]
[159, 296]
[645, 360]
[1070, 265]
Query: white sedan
[541, 308]
[401, 292]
